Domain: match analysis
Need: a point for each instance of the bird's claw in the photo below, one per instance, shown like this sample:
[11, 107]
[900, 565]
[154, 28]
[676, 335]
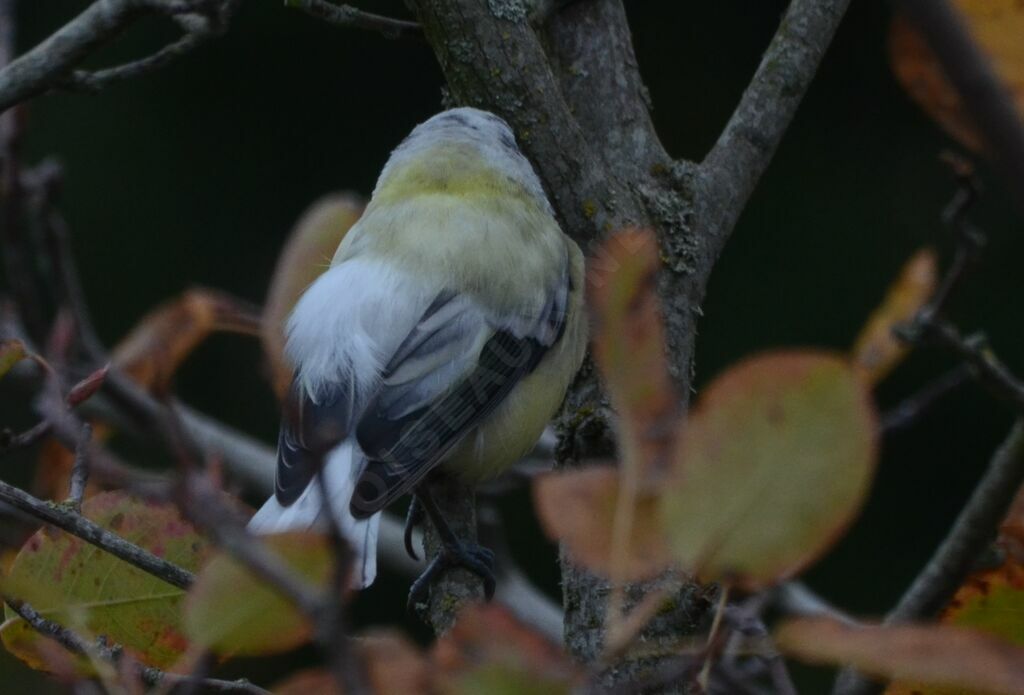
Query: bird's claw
[475, 558]
[413, 518]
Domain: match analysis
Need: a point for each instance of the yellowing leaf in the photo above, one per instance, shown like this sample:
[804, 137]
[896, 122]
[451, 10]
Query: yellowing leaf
[83, 587]
[877, 351]
[232, 612]
[161, 341]
[774, 462]
[578, 508]
[629, 346]
[997, 26]
[11, 352]
[307, 253]
[933, 656]
[991, 601]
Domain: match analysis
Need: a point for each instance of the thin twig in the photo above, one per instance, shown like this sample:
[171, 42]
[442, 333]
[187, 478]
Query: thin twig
[10, 441]
[113, 654]
[975, 527]
[794, 598]
[95, 81]
[348, 16]
[985, 97]
[990, 371]
[50, 64]
[77, 525]
[203, 504]
[705, 670]
[912, 409]
[80, 469]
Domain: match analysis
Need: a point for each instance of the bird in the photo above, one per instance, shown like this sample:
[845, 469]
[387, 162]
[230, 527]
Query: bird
[441, 340]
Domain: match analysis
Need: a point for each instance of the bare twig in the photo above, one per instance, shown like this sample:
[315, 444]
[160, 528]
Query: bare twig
[988, 101]
[77, 525]
[913, 408]
[986, 366]
[351, 17]
[113, 654]
[709, 658]
[80, 469]
[975, 527]
[52, 62]
[796, 599]
[10, 441]
[203, 504]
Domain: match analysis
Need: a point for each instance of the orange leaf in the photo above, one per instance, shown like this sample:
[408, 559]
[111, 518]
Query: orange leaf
[877, 351]
[306, 254]
[997, 26]
[934, 655]
[158, 344]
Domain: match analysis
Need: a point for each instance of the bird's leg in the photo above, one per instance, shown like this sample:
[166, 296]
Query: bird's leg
[413, 518]
[453, 553]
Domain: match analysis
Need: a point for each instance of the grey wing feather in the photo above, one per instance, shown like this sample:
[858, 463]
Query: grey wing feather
[451, 372]
[309, 430]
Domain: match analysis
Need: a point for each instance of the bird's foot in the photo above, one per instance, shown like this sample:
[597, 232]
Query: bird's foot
[475, 558]
[413, 518]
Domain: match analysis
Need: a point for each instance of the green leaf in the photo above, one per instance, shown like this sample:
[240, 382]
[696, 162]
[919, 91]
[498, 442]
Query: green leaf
[84, 588]
[773, 464]
[232, 612]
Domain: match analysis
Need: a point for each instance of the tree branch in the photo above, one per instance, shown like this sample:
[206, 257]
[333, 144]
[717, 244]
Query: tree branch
[739, 158]
[68, 520]
[591, 53]
[50, 64]
[975, 527]
[350, 17]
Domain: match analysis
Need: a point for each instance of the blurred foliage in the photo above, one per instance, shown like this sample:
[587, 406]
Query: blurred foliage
[195, 175]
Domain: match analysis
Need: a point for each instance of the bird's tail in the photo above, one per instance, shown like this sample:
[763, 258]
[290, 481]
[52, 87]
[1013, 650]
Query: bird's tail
[341, 471]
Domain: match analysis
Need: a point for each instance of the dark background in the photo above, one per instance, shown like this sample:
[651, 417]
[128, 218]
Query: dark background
[194, 175]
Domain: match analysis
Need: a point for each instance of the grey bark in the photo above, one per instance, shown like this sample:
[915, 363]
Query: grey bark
[577, 104]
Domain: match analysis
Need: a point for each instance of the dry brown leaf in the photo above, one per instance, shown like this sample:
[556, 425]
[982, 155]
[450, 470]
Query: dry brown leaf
[998, 27]
[933, 655]
[158, 344]
[877, 351]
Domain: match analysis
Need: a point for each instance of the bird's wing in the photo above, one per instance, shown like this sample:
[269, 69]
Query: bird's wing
[309, 430]
[453, 369]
